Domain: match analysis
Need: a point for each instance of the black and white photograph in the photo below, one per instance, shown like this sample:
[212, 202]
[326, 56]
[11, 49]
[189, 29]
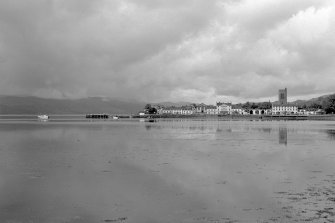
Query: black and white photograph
[167, 111]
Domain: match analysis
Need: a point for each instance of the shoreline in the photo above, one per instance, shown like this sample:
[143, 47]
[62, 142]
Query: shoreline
[243, 117]
[193, 116]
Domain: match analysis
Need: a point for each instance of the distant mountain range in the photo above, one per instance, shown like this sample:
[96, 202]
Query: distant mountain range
[35, 105]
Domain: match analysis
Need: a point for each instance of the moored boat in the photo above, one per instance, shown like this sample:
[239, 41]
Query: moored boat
[150, 119]
[43, 117]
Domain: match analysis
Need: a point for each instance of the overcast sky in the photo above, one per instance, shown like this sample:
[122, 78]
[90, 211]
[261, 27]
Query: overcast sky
[167, 50]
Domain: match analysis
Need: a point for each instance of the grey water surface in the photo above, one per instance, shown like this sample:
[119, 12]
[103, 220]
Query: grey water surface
[167, 171]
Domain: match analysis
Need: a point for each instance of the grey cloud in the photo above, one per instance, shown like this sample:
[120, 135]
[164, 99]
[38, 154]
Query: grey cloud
[155, 50]
[59, 43]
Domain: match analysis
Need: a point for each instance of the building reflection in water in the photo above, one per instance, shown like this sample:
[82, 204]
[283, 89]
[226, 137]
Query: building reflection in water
[331, 133]
[282, 135]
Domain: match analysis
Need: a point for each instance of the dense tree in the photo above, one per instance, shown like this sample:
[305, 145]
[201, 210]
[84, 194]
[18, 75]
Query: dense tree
[329, 105]
[149, 109]
[260, 105]
[265, 105]
[246, 105]
[316, 106]
[254, 106]
[153, 111]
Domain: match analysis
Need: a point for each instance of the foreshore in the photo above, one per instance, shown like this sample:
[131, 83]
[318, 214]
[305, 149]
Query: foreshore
[201, 170]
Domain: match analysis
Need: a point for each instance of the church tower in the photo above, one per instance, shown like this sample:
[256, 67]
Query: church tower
[282, 94]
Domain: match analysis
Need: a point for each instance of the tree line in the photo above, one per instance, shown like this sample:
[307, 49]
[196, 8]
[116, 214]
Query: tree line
[325, 103]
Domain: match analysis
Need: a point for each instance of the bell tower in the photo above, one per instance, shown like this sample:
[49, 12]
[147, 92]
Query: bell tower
[282, 94]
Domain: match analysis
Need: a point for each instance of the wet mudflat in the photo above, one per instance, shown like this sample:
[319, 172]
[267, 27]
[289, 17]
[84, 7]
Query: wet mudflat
[167, 171]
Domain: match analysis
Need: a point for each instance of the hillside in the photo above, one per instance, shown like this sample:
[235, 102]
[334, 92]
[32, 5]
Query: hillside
[35, 105]
[172, 104]
[310, 102]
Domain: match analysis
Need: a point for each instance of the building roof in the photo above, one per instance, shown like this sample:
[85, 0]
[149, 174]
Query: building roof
[200, 105]
[210, 107]
[222, 103]
[177, 108]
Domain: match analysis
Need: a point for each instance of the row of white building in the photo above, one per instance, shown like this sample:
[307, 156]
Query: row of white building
[220, 108]
[229, 109]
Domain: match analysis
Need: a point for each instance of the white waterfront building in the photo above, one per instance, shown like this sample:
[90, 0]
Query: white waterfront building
[284, 109]
[211, 110]
[224, 108]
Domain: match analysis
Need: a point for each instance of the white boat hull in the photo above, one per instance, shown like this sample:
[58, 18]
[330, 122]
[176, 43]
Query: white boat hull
[43, 117]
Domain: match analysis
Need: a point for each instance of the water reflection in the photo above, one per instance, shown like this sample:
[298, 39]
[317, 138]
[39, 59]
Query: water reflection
[168, 171]
[331, 133]
[267, 130]
[283, 135]
[149, 127]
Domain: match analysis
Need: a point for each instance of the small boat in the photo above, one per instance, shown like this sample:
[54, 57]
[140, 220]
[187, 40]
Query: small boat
[43, 117]
[150, 119]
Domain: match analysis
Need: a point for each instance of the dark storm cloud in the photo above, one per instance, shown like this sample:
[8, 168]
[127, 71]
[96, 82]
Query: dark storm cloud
[166, 50]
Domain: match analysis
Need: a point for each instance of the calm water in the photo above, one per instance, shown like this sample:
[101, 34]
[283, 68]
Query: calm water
[167, 171]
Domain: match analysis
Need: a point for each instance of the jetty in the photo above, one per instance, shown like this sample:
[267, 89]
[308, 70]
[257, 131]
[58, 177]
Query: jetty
[97, 116]
[107, 116]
